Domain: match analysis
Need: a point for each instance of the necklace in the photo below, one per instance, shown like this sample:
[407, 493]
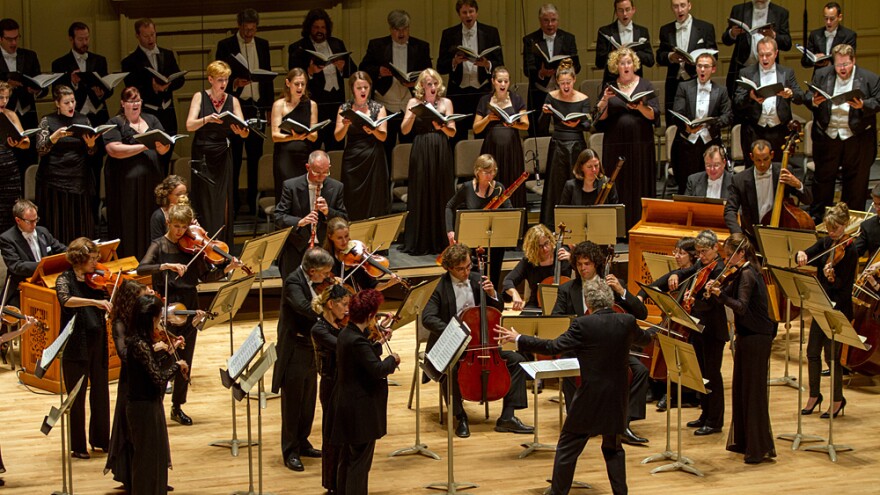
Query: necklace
[627, 85]
[218, 103]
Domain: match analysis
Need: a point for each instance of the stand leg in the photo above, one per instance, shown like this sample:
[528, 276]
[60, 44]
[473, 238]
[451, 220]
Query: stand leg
[418, 447]
[234, 443]
[66, 459]
[450, 485]
[250, 489]
[668, 454]
[786, 379]
[535, 445]
[682, 463]
[830, 448]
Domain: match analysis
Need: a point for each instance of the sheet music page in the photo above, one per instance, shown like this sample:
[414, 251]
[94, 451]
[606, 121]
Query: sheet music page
[446, 346]
[548, 365]
[239, 360]
[50, 352]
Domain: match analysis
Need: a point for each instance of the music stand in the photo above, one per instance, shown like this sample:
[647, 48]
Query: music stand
[226, 304]
[49, 421]
[411, 310]
[490, 228]
[779, 248]
[378, 231]
[800, 288]
[601, 224]
[549, 294]
[659, 264]
[837, 328]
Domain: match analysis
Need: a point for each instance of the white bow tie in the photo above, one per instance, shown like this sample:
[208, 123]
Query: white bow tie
[704, 87]
[831, 34]
[765, 175]
[547, 37]
[768, 71]
[682, 25]
[627, 29]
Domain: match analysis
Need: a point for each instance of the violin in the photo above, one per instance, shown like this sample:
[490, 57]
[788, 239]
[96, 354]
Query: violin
[176, 315]
[730, 272]
[356, 255]
[327, 282]
[378, 331]
[160, 334]
[697, 284]
[837, 255]
[101, 278]
[216, 252]
[12, 316]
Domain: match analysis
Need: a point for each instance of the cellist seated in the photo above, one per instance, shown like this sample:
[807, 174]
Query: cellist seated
[457, 290]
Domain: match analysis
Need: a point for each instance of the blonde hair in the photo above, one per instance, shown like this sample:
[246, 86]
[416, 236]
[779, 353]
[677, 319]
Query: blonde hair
[566, 68]
[180, 213]
[616, 55]
[218, 68]
[485, 162]
[420, 84]
[837, 215]
[532, 242]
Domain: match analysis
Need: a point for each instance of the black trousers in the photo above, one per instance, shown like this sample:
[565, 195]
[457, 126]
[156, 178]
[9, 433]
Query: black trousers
[299, 393]
[752, 132]
[181, 386]
[710, 353]
[853, 158]
[638, 389]
[818, 343]
[516, 397]
[687, 159]
[95, 372]
[354, 468]
[253, 144]
[569, 449]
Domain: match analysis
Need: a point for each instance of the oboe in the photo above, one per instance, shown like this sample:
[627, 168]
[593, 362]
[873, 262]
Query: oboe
[315, 225]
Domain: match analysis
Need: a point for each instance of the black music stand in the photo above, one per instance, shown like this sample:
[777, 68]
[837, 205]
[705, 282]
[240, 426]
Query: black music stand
[601, 224]
[378, 232]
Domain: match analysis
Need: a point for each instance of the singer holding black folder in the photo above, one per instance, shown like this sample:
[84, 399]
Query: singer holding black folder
[291, 151]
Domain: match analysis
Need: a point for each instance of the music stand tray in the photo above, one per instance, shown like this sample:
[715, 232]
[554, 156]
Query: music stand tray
[378, 232]
[779, 246]
[601, 224]
[259, 253]
[659, 264]
[489, 228]
[549, 294]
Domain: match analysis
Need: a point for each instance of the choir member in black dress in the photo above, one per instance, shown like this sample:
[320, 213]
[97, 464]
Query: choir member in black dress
[147, 375]
[430, 168]
[10, 176]
[171, 190]
[629, 132]
[166, 262]
[85, 355]
[338, 243]
[475, 195]
[291, 150]
[750, 431]
[332, 307]
[537, 264]
[589, 179]
[364, 166]
[360, 398]
[500, 139]
[567, 140]
[210, 151]
[131, 173]
[837, 279]
[65, 184]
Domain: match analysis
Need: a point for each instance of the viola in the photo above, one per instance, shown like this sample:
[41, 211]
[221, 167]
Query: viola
[838, 254]
[196, 240]
[356, 255]
[697, 284]
[176, 315]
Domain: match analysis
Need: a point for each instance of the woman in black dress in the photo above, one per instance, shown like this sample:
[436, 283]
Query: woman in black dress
[332, 306]
[430, 168]
[588, 182]
[538, 263]
[291, 151]
[502, 140]
[337, 244]
[211, 152]
[85, 355]
[750, 431]
[148, 371]
[130, 174]
[10, 175]
[629, 132]
[364, 166]
[567, 140]
[171, 190]
[65, 183]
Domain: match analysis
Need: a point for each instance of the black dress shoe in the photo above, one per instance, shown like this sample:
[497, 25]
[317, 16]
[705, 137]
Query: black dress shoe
[662, 404]
[462, 430]
[311, 452]
[178, 415]
[513, 425]
[706, 430]
[169, 488]
[697, 423]
[81, 455]
[631, 438]
[294, 464]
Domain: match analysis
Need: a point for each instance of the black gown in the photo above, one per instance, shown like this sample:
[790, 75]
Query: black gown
[120, 454]
[566, 144]
[429, 187]
[629, 134]
[505, 145]
[532, 275]
[573, 193]
[324, 337]
[365, 170]
[289, 158]
[212, 202]
[10, 188]
[129, 184]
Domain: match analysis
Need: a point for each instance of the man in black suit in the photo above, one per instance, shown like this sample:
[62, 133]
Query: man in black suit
[469, 79]
[572, 300]
[686, 33]
[553, 42]
[22, 99]
[845, 135]
[601, 342]
[715, 181]
[459, 288]
[301, 209]
[752, 191]
[326, 81]
[822, 40]
[868, 241]
[296, 374]
[624, 31]
[754, 14]
[256, 96]
[24, 245]
[766, 118]
[696, 99]
[408, 54]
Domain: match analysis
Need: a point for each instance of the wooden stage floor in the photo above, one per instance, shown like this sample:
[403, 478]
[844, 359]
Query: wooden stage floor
[487, 458]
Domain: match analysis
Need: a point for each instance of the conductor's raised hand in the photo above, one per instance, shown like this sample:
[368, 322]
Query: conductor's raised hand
[505, 335]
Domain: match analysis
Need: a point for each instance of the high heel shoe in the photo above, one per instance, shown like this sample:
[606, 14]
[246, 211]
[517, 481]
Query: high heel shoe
[839, 410]
[807, 411]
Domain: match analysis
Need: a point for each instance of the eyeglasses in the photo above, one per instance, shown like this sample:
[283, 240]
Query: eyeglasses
[462, 268]
[714, 165]
[134, 102]
[29, 222]
[11, 39]
[704, 66]
[843, 65]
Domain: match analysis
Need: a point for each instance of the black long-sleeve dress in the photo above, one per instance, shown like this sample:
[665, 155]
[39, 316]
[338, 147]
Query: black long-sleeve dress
[119, 456]
[365, 170]
[533, 275]
[324, 336]
[573, 193]
[566, 143]
[10, 189]
[212, 203]
[289, 158]
[505, 144]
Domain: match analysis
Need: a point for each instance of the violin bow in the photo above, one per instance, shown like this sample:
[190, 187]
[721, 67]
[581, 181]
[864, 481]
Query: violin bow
[848, 238]
[115, 286]
[165, 321]
[367, 257]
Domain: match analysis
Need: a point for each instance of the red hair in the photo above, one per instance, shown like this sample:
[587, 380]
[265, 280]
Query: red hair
[364, 304]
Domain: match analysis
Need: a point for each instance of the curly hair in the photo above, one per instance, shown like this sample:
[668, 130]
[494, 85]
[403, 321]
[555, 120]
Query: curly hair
[124, 303]
[166, 187]
[616, 55]
[313, 16]
[80, 250]
[335, 292]
[365, 304]
[420, 84]
[533, 240]
[455, 255]
[589, 250]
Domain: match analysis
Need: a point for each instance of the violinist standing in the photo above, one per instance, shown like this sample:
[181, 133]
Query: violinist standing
[750, 431]
[836, 273]
[166, 261]
[86, 352]
[295, 374]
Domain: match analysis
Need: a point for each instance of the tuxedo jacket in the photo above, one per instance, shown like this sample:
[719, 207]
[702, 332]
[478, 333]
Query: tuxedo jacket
[749, 110]
[564, 43]
[380, 53]
[136, 64]
[742, 50]
[685, 103]
[295, 321]
[702, 36]
[816, 43]
[860, 120]
[227, 48]
[868, 241]
[94, 63]
[604, 48]
[297, 56]
[20, 261]
[441, 307]
[27, 63]
[571, 293]
[487, 37]
[698, 184]
[742, 198]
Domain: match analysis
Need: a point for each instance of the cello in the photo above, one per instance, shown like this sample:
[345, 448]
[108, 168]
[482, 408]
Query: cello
[482, 373]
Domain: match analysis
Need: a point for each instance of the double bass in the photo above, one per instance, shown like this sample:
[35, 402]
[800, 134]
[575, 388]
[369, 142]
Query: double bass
[866, 321]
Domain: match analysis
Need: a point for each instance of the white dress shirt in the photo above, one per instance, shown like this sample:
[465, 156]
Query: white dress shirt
[88, 107]
[838, 126]
[704, 93]
[330, 82]
[682, 40]
[764, 190]
[249, 52]
[397, 96]
[151, 55]
[626, 33]
[464, 294]
[768, 118]
[759, 18]
[713, 187]
[829, 40]
[469, 71]
[11, 60]
[33, 243]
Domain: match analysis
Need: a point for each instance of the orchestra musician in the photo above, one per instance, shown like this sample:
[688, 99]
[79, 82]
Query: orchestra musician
[24, 245]
[458, 290]
[715, 181]
[836, 272]
[168, 192]
[337, 244]
[167, 263]
[587, 184]
[750, 430]
[537, 264]
[601, 341]
[868, 240]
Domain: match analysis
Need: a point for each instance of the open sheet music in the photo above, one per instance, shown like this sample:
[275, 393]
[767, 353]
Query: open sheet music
[238, 361]
[447, 345]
